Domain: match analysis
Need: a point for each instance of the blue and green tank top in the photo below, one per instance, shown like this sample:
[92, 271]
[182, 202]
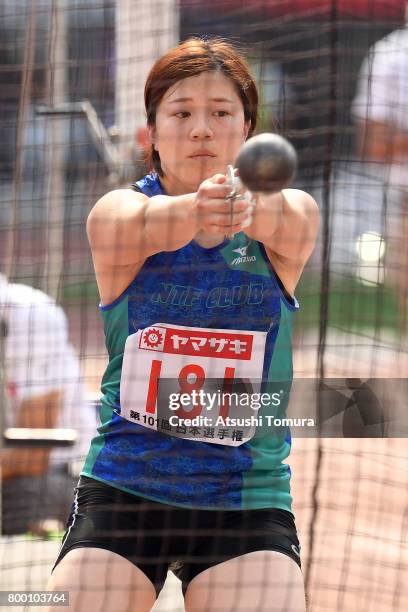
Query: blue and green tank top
[231, 286]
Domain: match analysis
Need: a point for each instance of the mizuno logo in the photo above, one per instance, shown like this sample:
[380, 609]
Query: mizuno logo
[243, 257]
[241, 250]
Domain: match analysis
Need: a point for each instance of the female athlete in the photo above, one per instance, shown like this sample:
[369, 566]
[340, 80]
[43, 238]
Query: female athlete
[185, 307]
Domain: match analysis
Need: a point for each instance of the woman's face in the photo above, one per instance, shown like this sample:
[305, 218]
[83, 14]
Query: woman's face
[199, 129]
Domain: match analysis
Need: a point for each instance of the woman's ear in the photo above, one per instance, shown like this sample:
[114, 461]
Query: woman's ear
[143, 138]
[247, 127]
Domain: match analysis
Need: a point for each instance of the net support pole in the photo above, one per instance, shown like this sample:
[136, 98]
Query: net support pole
[3, 408]
[144, 30]
[56, 149]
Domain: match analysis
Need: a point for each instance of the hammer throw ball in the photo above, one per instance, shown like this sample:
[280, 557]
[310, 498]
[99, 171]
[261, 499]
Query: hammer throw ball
[266, 163]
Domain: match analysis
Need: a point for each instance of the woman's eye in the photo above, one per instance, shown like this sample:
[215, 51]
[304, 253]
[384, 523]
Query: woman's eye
[221, 113]
[182, 114]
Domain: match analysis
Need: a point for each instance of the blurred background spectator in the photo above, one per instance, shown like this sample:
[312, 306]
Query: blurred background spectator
[43, 390]
[380, 109]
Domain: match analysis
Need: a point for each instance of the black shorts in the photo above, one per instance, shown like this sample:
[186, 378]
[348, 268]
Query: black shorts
[157, 537]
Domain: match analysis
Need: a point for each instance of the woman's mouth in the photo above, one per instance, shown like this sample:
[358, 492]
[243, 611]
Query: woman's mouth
[202, 154]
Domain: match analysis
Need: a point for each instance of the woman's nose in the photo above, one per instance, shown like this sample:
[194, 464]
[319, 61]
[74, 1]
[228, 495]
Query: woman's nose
[201, 130]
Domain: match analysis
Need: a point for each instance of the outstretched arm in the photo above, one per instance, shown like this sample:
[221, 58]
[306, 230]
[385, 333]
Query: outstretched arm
[125, 227]
[286, 223]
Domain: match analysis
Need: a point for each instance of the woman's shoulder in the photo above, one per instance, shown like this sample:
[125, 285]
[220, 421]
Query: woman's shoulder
[300, 199]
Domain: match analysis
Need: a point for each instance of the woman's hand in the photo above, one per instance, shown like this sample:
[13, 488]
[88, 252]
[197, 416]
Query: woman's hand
[215, 212]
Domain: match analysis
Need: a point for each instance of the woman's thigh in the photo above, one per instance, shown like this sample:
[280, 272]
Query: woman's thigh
[258, 581]
[101, 581]
[106, 519]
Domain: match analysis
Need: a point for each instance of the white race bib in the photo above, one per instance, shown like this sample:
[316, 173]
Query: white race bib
[173, 375]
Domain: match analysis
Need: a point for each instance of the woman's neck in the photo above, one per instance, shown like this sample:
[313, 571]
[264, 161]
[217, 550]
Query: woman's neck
[174, 187]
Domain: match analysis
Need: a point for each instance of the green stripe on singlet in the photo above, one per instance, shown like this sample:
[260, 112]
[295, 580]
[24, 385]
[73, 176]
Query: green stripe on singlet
[116, 326]
[281, 368]
[267, 483]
